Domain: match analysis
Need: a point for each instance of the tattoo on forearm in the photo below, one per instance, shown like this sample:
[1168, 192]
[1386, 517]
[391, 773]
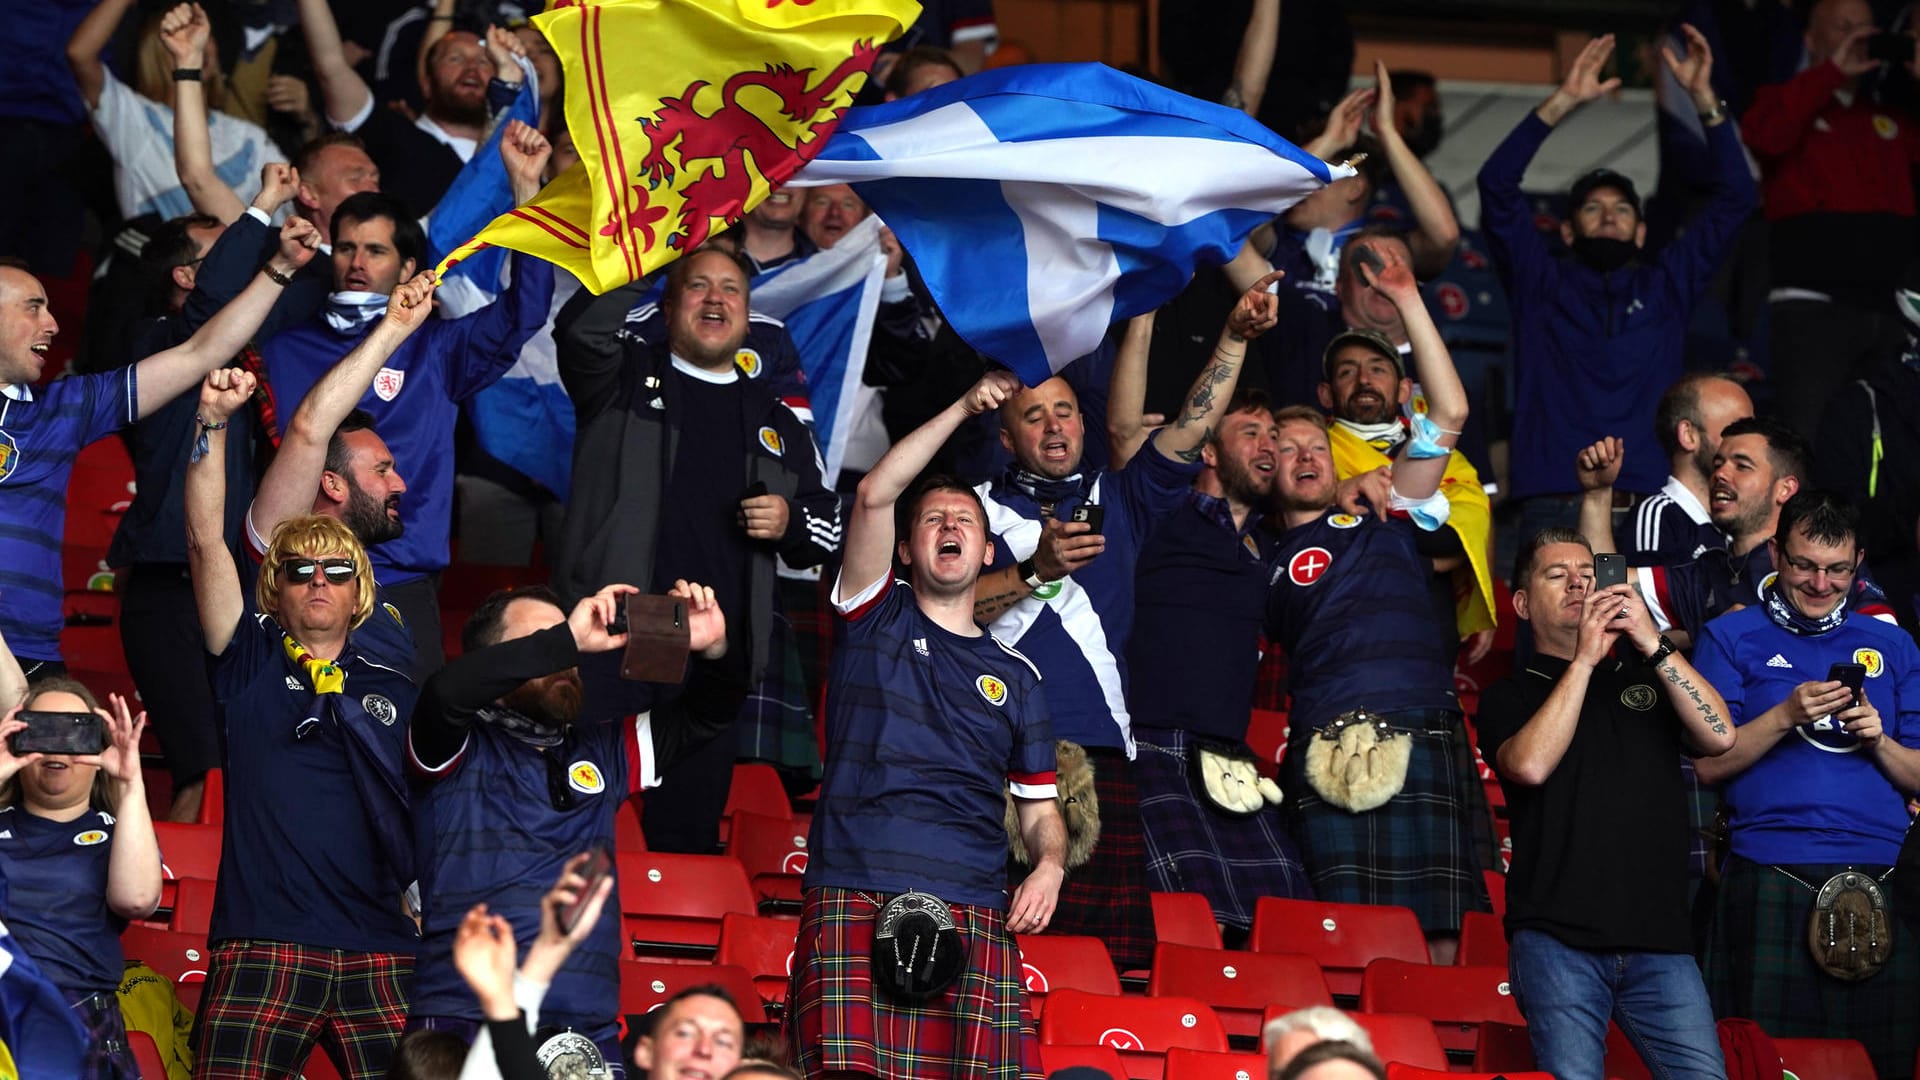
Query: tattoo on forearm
[1200, 403]
[995, 603]
[1714, 722]
[1192, 454]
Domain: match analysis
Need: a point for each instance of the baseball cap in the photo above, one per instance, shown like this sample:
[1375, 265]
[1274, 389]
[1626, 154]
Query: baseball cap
[1372, 339]
[1600, 178]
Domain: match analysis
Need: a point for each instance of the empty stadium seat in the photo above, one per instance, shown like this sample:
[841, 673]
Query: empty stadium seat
[1239, 986]
[1140, 1029]
[1185, 1064]
[1341, 938]
[146, 1055]
[1825, 1059]
[645, 985]
[1050, 962]
[672, 904]
[213, 799]
[627, 834]
[1057, 1056]
[188, 850]
[193, 907]
[1185, 918]
[764, 947]
[180, 957]
[1458, 998]
[1483, 940]
[1503, 1048]
[774, 852]
[1396, 1036]
[756, 789]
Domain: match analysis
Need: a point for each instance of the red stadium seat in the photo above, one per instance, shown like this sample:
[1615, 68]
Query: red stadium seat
[1395, 1036]
[774, 851]
[1267, 738]
[180, 957]
[645, 985]
[1825, 1059]
[193, 907]
[1050, 962]
[673, 903]
[1483, 940]
[99, 490]
[1341, 938]
[1623, 1061]
[146, 1055]
[213, 799]
[1458, 999]
[1185, 1064]
[756, 789]
[188, 850]
[1141, 1029]
[764, 947]
[1057, 1056]
[627, 834]
[319, 1066]
[1185, 918]
[1408, 1072]
[1503, 1048]
[1239, 985]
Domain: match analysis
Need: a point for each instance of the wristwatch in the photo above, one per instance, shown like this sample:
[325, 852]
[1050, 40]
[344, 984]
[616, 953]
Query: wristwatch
[1715, 114]
[1665, 650]
[1030, 573]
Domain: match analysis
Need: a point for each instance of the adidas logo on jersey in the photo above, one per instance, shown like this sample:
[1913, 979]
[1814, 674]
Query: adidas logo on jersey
[1779, 661]
[294, 684]
[920, 645]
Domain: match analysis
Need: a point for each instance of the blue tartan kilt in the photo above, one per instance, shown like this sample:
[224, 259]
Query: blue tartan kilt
[1415, 852]
[1191, 847]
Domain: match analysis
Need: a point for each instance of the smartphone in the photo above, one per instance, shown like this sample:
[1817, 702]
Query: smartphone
[599, 865]
[1369, 258]
[1853, 676]
[59, 733]
[1609, 569]
[1890, 48]
[1094, 516]
[658, 637]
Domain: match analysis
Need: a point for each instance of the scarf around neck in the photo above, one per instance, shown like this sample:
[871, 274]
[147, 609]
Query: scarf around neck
[523, 727]
[1382, 437]
[1793, 620]
[350, 311]
[1044, 490]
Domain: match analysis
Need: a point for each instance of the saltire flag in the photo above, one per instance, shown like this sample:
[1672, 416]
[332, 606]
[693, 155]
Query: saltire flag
[677, 138]
[39, 1035]
[479, 193]
[828, 301]
[1044, 203]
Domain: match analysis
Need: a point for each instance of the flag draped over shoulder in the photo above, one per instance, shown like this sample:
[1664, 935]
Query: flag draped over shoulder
[828, 301]
[685, 114]
[1042, 204]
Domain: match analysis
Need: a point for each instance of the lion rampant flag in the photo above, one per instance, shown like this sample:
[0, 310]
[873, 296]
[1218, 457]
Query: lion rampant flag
[678, 136]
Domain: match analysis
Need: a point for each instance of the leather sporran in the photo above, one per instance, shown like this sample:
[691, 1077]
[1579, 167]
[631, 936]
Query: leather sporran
[1849, 932]
[1079, 807]
[1358, 762]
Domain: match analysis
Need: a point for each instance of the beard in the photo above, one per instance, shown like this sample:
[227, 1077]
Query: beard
[1241, 484]
[553, 699]
[370, 521]
[1372, 412]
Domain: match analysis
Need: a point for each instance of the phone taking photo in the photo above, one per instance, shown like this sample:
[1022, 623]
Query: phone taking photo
[1094, 516]
[599, 865]
[1609, 569]
[58, 733]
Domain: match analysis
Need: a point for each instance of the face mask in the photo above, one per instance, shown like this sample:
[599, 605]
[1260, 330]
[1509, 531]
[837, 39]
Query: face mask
[1424, 138]
[1604, 253]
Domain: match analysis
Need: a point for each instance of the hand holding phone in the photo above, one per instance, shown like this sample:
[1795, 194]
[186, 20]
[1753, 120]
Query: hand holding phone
[658, 637]
[599, 865]
[58, 733]
[1852, 676]
[1093, 515]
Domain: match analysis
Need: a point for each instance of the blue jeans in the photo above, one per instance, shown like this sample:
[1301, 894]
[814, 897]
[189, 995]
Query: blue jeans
[1658, 999]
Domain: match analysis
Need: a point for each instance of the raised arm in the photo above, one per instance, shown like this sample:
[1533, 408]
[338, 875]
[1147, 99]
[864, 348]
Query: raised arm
[184, 31]
[1583, 82]
[289, 487]
[344, 93]
[1781, 115]
[216, 581]
[89, 40]
[1255, 62]
[1697, 252]
[1532, 753]
[1128, 424]
[133, 863]
[438, 23]
[589, 349]
[1417, 477]
[1253, 315]
[166, 375]
[868, 554]
[1436, 231]
[1597, 467]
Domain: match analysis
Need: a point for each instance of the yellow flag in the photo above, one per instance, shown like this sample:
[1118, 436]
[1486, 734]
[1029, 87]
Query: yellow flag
[685, 114]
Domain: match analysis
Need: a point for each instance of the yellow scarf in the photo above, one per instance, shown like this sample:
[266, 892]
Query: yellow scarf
[1471, 519]
[325, 676]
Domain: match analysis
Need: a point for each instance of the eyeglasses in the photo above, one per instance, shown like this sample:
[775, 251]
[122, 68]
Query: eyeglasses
[301, 571]
[1838, 571]
[559, 792]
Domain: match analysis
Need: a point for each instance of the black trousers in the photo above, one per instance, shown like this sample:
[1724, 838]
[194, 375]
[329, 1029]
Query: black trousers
[167, 657]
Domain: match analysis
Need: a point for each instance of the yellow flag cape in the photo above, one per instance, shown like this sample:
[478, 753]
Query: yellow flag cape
[1471, 518]
[686, 113]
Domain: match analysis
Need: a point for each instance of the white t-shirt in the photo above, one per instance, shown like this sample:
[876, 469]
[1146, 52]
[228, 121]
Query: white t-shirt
[139, 135]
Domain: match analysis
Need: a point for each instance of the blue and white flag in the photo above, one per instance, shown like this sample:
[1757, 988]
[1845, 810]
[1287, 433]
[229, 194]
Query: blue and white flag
[828, 301]
[1044, 203]
[479, 193]
[39, 1035]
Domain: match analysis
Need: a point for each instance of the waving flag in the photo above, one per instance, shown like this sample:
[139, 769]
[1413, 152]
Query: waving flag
[1044, 203]
[676, 139]
[828, 301]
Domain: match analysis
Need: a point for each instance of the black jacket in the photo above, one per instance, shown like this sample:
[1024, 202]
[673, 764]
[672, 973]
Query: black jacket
[1843, 462]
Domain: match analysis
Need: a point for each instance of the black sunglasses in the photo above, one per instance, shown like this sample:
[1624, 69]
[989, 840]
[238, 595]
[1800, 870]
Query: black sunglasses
[301, 571]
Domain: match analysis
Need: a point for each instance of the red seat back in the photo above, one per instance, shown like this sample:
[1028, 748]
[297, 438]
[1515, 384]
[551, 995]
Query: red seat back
[762, 946]
[673, 903]
[774, 852]
[1458, 999]
[180, 957]
[1408, 1072]
[645, 985]
[1050, 962]
[193, 907]
[1185, 1064]
[756, 789]
[1185, 918]
[1239, 985]
[1405, 1038]
[188, 850]
[1825, 1059]
[1483, 940]
[213, 799]
[146, 1055]
[1057, 1056]
[1140, 1029]
[1342, 938]
[1267, 738]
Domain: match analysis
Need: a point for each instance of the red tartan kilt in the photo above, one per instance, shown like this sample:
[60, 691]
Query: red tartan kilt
[839, 1022]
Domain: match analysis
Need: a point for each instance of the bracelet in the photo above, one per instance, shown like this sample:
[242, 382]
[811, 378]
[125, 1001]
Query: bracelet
[1660, 652]
[186, 74]
[204, 426]
[275, 276]
[1715, 114]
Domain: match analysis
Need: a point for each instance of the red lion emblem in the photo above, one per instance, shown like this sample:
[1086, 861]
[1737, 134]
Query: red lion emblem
[723, 140]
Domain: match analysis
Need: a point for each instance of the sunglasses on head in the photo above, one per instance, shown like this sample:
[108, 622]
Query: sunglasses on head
[301, 571]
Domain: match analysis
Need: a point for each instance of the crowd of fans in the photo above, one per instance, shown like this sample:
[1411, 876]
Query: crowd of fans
[1037, 619]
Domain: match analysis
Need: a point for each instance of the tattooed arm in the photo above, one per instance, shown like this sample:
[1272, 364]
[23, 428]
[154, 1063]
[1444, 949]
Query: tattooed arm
[1207, 399]
[1706, 726]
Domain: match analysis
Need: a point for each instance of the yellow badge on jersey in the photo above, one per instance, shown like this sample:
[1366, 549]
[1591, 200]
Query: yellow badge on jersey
[770, 439]
[1343, 521]
[1871, 660]
[1885, 127]
[748, 361]
[394, 614]
[992, 689]
[584, 777]
[90, 838]
[9, 455]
